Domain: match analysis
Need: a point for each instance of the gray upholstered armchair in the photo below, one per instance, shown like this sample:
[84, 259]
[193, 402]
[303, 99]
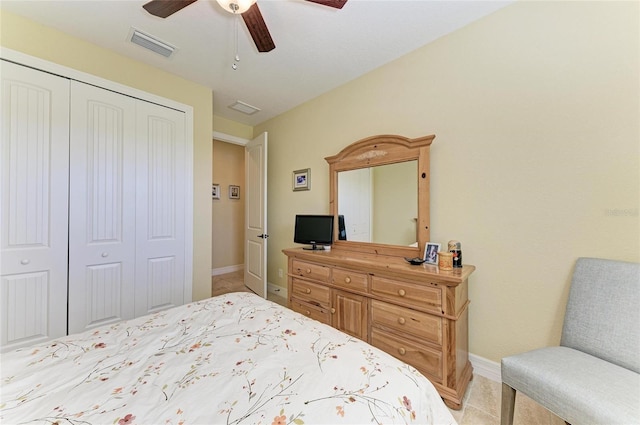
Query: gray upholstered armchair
[593, 376]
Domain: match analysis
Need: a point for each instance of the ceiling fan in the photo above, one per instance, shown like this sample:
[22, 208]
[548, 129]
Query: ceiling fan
[247, 8]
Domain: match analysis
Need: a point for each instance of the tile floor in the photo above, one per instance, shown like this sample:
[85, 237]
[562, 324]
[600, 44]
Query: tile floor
[481, 405]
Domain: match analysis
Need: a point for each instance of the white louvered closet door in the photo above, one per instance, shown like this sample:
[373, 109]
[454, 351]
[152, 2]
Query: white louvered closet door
[160, 208]
[34, 190]
[102, 207]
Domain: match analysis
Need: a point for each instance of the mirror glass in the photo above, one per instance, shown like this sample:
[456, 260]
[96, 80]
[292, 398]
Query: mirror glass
[379, 204]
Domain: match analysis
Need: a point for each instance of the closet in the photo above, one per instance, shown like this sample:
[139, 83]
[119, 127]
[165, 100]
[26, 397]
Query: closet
[93, 206]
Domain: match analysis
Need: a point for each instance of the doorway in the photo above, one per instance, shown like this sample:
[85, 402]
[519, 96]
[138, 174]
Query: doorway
[227, 252]
[239, 213]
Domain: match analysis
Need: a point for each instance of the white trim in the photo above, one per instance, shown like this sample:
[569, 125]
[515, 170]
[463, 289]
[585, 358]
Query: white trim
[188, 199]
[485, 367]
[278, 290]
[227, 269]
[73, 74]
[223, 137]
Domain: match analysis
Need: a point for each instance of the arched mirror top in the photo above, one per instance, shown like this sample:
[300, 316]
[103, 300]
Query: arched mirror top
[384, 207]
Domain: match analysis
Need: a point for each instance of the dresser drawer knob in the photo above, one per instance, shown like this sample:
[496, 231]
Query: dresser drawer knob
[401, 320]
[401, 292]
[347, 279]
[333, 310]
[402, 351]
[308, 271]
[25, 261]
[307, 291]
[308, 313]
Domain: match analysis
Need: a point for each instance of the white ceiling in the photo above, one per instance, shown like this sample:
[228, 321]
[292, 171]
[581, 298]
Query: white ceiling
[317, 48]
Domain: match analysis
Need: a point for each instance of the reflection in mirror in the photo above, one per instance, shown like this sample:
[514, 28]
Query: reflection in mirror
[380, 204]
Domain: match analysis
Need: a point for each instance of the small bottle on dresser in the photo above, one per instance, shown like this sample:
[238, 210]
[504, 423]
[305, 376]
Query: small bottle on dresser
[456, 249]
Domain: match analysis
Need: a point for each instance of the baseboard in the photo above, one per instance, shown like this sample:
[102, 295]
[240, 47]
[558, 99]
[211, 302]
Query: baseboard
[228, 269]
[272, 288]
[485, 367]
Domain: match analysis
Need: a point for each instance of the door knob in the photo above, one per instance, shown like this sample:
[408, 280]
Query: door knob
[263, 236]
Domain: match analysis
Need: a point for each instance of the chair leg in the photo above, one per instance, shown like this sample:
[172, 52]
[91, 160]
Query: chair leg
[507, 407]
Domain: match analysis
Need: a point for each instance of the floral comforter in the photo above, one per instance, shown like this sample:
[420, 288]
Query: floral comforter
[232, 359]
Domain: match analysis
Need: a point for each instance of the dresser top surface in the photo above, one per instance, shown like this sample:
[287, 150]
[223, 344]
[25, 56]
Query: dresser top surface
[385, 265]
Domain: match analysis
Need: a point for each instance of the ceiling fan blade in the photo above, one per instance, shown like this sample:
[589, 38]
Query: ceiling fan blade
[258, 29]
[164, 8]
[338, 4]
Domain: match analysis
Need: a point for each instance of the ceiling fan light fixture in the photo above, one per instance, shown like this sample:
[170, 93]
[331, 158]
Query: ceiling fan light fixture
[236, 6]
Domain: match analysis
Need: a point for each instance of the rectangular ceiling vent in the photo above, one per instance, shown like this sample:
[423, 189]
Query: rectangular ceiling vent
[244, 108]
[151, 43]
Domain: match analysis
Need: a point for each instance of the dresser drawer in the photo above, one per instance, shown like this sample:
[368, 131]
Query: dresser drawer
[420, 296]
[320, 314]
[310, 292]
[425, 359]
[310, 270]
[350, 280]
[422, 325]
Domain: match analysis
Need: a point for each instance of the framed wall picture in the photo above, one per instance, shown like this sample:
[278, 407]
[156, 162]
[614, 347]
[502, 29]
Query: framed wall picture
[302, 179]
[234, 192]
[215, 191]
[431, 253]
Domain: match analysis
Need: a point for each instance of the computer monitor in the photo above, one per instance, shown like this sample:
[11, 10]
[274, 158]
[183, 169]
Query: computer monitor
[314, 230]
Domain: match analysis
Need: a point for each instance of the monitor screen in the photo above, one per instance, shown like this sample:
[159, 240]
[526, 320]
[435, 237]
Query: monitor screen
[313, 230]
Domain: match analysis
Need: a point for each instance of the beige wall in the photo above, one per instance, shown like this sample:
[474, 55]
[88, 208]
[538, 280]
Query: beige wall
[232, 128]
[52, 45]
[535, 162]
[228, 214]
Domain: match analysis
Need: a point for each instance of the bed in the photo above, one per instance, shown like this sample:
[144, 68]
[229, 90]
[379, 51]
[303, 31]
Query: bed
[231, 359]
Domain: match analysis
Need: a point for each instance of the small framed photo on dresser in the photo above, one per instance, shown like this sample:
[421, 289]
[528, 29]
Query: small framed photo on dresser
[431, 253]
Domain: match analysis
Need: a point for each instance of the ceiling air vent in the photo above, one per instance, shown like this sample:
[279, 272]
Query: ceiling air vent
[245, 108]
[151, 43]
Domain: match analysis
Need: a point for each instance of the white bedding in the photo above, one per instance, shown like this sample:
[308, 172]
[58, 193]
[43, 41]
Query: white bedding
[232, 359]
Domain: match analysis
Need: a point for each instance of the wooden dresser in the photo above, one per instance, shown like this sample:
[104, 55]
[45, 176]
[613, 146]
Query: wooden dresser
[418, 314]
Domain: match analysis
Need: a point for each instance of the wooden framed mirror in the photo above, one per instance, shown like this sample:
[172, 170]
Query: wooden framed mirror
[379, 195]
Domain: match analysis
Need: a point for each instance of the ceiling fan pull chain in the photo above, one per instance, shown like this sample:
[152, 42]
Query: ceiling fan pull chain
[237, 56]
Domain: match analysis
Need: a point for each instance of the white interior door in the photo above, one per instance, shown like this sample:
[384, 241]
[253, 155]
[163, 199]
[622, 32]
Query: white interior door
[255, 248]
[102, 207]
[160, 208]
[34, 192]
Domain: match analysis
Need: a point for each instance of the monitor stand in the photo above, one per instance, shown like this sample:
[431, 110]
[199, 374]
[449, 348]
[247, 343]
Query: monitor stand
[314, 247]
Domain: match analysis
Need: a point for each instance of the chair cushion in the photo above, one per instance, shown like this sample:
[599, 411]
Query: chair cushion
[578, 387]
